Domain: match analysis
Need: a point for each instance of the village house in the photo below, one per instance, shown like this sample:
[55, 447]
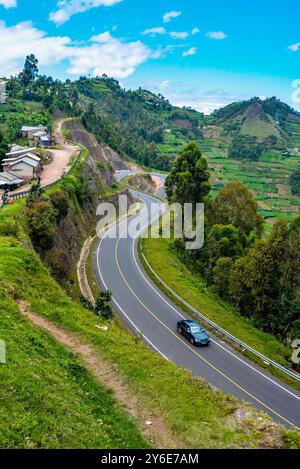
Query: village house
[43, 138]
[22, 162]
[17, 151]
[24, 167]
[38, 134]
[46, 140]
[8, 161]
[29, 131]
[10, 181]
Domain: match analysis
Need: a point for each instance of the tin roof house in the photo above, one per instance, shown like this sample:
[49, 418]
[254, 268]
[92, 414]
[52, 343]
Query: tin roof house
[10, 181]
[29, 131]
[25, 166]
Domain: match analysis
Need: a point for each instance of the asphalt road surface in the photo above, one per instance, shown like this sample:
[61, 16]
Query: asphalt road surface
[145, 309]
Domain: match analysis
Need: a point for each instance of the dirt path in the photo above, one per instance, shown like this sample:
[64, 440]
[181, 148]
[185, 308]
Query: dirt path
[81, 270]
[151, 426]
[60, 158]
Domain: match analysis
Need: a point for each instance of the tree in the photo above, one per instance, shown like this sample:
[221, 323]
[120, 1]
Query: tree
[235, 205]
[61, 203]
[3, 148]
[189, 176]
[30, 70]
[223, 241]
[265, 283]
[41, 223]
[221, 276]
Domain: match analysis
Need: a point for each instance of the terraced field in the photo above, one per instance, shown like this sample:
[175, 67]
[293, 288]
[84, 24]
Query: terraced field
[268, 179]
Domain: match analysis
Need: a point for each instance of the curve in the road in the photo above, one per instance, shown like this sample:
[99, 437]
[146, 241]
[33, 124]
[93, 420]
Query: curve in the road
[149, 312]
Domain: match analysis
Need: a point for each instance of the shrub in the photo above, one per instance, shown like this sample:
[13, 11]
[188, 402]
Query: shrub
[41, 222]
[9, 228]
[61, 203]
[59, 264]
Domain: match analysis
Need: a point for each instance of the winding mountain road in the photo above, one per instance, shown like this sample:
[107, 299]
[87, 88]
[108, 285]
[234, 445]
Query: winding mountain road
[146, 310]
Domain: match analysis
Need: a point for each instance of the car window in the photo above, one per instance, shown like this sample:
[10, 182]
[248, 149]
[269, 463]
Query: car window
[196, 329]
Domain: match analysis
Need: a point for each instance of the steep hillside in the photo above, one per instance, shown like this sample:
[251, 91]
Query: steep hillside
[270, 121]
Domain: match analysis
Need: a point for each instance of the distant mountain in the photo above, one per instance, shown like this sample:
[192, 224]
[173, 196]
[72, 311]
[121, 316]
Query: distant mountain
[270, 122]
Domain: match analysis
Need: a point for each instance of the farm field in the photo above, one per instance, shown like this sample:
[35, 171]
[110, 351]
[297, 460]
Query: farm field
[268, 178]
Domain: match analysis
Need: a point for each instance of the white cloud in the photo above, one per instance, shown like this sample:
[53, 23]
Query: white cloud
[68, 8]
[219, 35]
[180, 35]
[8, 3]
[154, 31]
[195, 31]
[191, 51]
[171, 14]
[103, 37]
[104, 54]
[164, 85]
[294, 47]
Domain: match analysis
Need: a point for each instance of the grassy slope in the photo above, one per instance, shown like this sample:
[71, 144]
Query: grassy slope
[40, 375]
[48, 398]
[191, 288]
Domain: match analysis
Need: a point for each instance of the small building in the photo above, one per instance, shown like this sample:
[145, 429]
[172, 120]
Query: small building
[46, 140]
[29, 131]
[24, 167]
[37, 136]
[7, 162]
[10, 181]
[17, 151]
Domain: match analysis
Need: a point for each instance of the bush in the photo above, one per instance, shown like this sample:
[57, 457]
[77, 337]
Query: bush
[101, 307]
[59, 264]
[61, 203]
[9, 228]
[41, 222]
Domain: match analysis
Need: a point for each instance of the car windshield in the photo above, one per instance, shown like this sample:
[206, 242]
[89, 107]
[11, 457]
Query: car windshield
[196, 329]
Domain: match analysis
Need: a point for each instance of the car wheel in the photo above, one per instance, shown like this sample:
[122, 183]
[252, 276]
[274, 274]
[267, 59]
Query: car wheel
[179, 330]
[192, 341]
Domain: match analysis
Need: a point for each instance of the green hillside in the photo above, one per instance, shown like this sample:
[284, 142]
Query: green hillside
[255, 141]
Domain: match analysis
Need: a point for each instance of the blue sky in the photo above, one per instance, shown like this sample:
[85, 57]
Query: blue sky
[197, 53]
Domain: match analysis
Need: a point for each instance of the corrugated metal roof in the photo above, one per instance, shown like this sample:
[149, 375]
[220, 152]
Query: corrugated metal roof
[17, 152]
[13, 160]
[26, 128]
[9, 179]
[39, 134]
[26, 160]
